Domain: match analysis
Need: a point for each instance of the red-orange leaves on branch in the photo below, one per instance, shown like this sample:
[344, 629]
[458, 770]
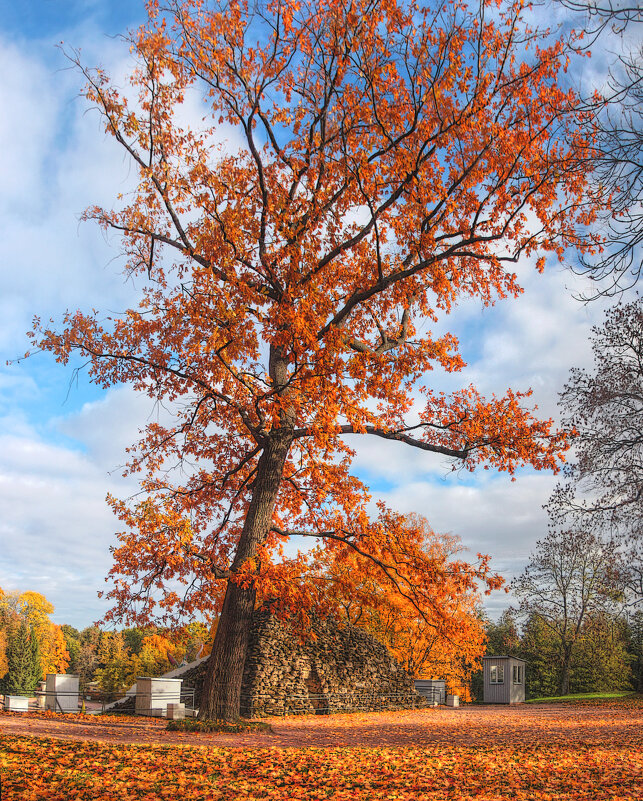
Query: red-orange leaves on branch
[465, 426]
[388, 160]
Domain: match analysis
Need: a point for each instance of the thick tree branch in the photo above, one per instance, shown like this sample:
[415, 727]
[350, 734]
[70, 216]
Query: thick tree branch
[399, 436]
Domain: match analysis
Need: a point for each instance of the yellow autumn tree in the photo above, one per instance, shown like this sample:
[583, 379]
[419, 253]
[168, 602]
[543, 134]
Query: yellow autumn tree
[34, 609]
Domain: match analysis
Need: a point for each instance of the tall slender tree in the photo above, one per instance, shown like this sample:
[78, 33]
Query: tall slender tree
[23, 661]
[395, 157]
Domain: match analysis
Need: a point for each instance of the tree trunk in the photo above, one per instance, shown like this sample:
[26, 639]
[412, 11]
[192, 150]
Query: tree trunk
[221, 695]
[564, 676]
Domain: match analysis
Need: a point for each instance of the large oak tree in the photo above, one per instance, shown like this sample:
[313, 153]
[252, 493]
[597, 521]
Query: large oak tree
[396, 158]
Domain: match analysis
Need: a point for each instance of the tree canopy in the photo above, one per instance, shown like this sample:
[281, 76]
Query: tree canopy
[394, 158]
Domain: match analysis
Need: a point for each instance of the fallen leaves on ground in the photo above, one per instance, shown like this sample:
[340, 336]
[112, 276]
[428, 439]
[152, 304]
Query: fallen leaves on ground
[34, 770]
[544, 724]
[549, 752]
[595, 723]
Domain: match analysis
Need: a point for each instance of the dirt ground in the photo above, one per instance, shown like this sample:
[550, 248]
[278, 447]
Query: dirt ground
[466, 726]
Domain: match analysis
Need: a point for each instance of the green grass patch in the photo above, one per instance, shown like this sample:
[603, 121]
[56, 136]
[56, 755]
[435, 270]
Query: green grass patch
[572, 697]
[228, 727]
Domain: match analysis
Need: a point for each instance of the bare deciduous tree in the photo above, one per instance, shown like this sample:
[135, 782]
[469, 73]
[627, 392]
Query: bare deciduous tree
[618, 164]
[604, 487]
[618, 168]
[569, 577]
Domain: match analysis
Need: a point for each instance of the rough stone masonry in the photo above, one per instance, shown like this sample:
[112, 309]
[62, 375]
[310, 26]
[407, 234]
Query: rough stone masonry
[341, 668]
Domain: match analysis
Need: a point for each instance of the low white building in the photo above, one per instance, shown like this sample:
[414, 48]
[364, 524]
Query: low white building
[16, 703]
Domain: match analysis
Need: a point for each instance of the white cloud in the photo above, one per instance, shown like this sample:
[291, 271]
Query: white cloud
[494, 516]
[53, 163]
[108, 426]
[56, 528]
[27, 129]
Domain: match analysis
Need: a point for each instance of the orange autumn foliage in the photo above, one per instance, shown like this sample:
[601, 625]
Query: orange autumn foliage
[54, 656]
[173, 647]
[448, 647]
[440, 635]
[391, 159]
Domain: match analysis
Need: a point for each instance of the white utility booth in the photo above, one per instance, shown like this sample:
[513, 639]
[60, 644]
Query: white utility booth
[61, 692]
[154, 694]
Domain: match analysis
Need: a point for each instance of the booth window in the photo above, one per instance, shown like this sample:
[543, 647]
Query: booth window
[497, 675]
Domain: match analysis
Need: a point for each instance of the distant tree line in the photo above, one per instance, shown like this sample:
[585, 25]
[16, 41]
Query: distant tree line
[578, 621]
[606, 655]
[110, 661]
[31, 646]
[578, 614]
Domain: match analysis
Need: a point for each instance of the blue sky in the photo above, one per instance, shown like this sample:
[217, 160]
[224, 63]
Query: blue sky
[62, 440]
[40, 19]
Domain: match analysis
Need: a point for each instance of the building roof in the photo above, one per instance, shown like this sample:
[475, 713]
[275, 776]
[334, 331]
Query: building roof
[504, 656]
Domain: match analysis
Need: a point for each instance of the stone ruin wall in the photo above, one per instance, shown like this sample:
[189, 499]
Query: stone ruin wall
[343, 669]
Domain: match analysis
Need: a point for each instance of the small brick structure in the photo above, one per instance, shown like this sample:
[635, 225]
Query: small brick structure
[341, 669]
